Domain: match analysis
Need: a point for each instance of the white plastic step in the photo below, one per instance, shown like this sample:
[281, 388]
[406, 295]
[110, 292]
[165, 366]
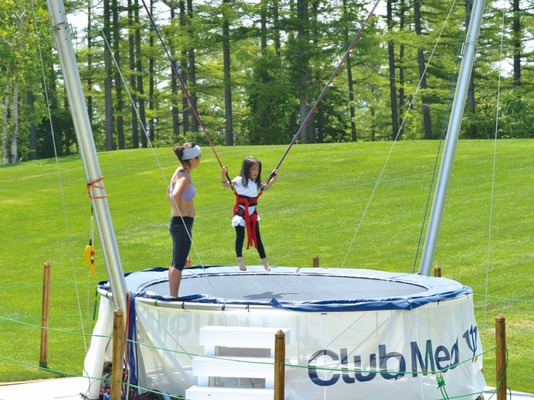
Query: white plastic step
[240, 336]
[238, 367]
[224, 393]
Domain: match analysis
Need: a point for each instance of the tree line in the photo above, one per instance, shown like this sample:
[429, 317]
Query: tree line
[249, 72]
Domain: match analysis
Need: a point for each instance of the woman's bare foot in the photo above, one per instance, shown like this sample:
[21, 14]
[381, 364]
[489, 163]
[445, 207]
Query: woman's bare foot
[241, 264]
[265, 264]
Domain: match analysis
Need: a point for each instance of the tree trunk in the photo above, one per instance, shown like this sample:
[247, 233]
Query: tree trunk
[5, 113]
[516, 43]
[276, 27]
[174, 83]
[304, 73]
[315, 123]
[89, 98]
[186, 109]
[350, 83]
[118, 84]
[402, 96]
[227, 75]
[422, 75]
[373, 124]
[151, 80]
[263, 27]
[263, 112]
[173, 5]
[320, 124]
[15, 138]
[108, 84]
[471, 89]
[192, 68]
[392, 78]
[139, 70]
[133, 83]
[30, 99]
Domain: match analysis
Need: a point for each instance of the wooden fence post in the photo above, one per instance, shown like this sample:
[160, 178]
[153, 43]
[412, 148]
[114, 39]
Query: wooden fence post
[279, 367]
[116, 357]
[43, 359]
[500, 357]
[316, 262]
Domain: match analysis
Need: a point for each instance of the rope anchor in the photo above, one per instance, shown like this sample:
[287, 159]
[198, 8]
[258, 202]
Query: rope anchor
[93, 185]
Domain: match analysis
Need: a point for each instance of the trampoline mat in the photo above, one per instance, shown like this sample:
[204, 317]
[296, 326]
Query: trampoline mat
[306, 289]
[266, 286]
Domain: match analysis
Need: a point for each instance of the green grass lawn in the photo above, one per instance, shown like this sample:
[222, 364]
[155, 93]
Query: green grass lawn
[340, 202]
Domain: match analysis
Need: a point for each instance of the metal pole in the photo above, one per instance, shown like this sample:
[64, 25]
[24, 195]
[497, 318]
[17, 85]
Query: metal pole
[453, 131]
[87, 148]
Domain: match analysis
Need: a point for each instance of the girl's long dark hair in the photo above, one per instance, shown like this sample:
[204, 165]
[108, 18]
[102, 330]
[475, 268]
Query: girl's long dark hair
[248, 162]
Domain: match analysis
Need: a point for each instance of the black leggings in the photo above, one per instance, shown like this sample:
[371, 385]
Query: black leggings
[181, 230]
[240, 239]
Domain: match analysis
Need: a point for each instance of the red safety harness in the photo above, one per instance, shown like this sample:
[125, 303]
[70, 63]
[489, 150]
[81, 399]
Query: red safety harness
[250, 220]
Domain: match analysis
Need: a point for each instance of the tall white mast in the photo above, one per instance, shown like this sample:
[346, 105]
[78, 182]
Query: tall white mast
[457, 111]
[87, 148]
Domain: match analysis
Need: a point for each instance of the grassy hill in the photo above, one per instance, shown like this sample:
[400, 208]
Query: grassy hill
[354, 205]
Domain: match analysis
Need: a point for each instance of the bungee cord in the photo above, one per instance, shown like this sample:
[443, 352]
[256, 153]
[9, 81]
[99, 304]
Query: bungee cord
[306, 119]
[304, 122]
[325, 89]
[310, 112]
[182, 85]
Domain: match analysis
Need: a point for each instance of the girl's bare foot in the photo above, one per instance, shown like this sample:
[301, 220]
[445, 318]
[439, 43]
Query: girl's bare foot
[265, 264]
[241, 264]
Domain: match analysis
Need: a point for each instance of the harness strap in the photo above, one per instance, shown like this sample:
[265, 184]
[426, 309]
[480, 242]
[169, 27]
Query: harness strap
[251, 221]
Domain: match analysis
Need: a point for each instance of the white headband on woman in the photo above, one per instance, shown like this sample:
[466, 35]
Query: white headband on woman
[191, 153]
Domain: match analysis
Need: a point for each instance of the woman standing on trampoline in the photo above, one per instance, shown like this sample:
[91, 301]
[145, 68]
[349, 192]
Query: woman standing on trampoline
[248, 188]
[181, 194]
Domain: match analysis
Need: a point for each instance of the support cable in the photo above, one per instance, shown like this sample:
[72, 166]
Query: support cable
[58, 170]
[492, 199]
[408, 110]
[446, 116]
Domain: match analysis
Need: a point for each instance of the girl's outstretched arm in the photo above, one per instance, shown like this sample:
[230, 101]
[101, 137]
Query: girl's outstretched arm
[272, 180]
[224, 180]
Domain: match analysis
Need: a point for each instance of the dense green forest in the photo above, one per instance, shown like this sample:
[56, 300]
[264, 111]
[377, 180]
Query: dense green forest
[162, 72]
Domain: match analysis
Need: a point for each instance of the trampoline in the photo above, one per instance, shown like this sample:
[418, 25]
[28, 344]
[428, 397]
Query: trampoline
[375, 333]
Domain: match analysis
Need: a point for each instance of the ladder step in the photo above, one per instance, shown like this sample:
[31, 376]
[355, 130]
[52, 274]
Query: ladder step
[225, 393]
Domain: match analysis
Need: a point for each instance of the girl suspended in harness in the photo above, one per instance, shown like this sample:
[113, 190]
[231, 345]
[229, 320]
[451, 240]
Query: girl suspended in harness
[248, 187]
